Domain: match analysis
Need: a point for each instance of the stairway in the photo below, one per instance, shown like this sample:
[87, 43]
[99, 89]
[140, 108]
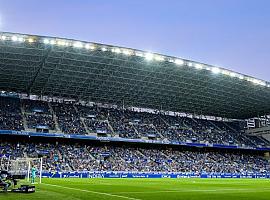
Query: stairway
[84, 125]
[136, 131]
[111, 128]
[24, 119]
[57, 127]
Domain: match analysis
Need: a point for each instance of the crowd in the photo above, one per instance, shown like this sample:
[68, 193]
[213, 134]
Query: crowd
[78, 119]
[68, 119]
[81, 157]
[10, 114]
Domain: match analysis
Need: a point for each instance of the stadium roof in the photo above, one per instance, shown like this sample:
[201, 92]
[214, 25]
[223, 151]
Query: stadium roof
[109, 74]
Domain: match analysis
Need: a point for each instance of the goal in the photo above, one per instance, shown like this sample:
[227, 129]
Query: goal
[23, 166]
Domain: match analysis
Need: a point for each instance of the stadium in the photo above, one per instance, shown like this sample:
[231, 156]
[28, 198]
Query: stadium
[106, 122]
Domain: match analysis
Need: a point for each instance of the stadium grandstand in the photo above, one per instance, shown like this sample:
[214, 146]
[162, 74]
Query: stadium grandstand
[95, 109]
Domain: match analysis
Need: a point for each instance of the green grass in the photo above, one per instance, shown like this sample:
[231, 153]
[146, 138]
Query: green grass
[147, 189]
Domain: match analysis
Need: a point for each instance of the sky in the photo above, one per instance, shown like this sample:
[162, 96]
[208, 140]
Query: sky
[234, 34]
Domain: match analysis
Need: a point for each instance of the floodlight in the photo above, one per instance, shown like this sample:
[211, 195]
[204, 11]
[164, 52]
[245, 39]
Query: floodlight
[198, 66]
[263, 83]
[127, 52]
[241, 77]
[190, 64]
[148, 56]
[178, 61]
[78, 44]
[159, 58]
[103, 49]
[3, 37]
[215, 70]
[232, 74]
[61, 42]
[46, 41]
[116, 50]
[171, 60]
[20, 39]
[256, 81]
[52, 42]
[14, 38]
[30, 40]
[225, 72]
[89, 46]
[138, 53]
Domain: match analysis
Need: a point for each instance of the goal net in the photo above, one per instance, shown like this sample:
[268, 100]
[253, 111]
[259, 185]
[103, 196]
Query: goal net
[29, 167]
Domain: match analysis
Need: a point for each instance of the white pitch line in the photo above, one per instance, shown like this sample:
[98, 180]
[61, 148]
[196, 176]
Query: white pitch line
[178, 191]
[93, 192]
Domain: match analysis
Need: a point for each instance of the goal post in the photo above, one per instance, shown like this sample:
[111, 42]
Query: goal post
[24, 166]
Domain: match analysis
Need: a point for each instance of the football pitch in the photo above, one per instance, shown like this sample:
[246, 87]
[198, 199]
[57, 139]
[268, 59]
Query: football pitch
[147, 189]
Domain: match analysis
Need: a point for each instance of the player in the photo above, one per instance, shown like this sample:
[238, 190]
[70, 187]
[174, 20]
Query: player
[33, 174]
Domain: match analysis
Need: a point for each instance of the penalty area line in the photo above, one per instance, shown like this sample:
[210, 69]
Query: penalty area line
[93, 192]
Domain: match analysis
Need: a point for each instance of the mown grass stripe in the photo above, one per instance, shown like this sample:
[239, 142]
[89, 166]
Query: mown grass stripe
[93, 192]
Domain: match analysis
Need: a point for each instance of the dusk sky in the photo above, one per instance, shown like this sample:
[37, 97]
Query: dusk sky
[234, 34]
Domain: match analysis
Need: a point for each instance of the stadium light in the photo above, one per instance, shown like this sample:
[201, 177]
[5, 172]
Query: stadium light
[149, 56]
[215, 70]
[103, 49]
[116, 50]
[46, 41]
[52, 42]
[255, 81]
[14, 38]
[89, 46]
[159, 58]
[198, 66]
[61, 43]
[232, 74]
[263, 83]
[77, 44]
[3, 37]
[179, 62]
[190, 64]
[139, 53]
[30, 40]
[127, 52]
[20, 39]
[225, 72]
[241, 77]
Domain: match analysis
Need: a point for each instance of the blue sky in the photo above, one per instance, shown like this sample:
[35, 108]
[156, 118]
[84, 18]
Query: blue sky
[234, 34]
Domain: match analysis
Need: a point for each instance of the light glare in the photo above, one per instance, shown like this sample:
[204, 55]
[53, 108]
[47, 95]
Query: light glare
[78, 44]
[159, 58]
[30, 40]
[46, 41]
[117, 50]
[89, 46]
[198, 66]
[3, 37]
[126, 52]
[149, 56]
[232, 74]
[215, 70]
[14, 38]
[52, 42]
[178, 61]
